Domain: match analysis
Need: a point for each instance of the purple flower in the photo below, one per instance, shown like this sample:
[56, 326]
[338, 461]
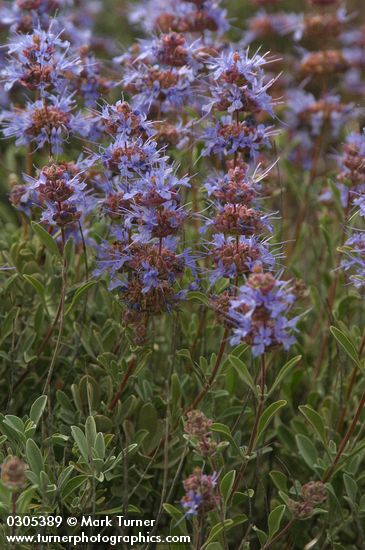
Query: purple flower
[157, 186]
[60, 194]
[200, 492]
[171, 88]
[146, 274]
[263, 24]
[259, 313]
[354, 260]
[40, 61]
[306, 110]
[163, 15]
[50, 121]
[191, 503]
[120, 118]
[236, 257]
[238, 83]
[228, 137]
[129, 155]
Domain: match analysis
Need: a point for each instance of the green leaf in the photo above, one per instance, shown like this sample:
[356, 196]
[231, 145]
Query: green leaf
[274, 520]
[216, 530]
[307, 450]
[37, 409]
[198, 297]
[280, 480]
[347, 345]
[14, 422]
[223, 429]
[284, 371]
[71, 485]
[173, 511]
[79, 294]
[243, 372]
[100, 446]
[178, 517]
[351, 487]
[267, 416]
[226, 485]
[90, 432]
[175, 389]
[34, 457]
[46, 239]
[36, 284]
[81, 442]
[315, 420]
[261, 535]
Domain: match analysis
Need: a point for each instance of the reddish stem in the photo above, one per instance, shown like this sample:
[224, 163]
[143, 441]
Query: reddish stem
[279, 535]
[131, 366]
[345, 440]
[209, 384]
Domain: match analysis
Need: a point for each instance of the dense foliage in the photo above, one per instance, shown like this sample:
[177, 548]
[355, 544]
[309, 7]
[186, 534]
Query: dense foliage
[183, 266]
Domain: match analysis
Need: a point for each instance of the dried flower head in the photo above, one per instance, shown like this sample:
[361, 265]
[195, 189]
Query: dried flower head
[198, 424]
[13, 473]
[314, 492]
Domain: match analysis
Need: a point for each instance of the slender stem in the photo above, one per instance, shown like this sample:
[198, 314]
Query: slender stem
[40, 348]
[303, 210]
[202, 315]
[342, 416]
[132, 365]
[350, 387]
[85, 252]
[279, 535]
[345, 440]
[331, 300]
[47, 385]
[212, 377]
[252, 441]
[14, 498]
[260, 407]
[332, 468]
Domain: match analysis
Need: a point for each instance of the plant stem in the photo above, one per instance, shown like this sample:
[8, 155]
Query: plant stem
[131, 366]
[303, 210]
[350, 386]
[332, 468]
[331, 300]
[252, 441]
[85, 252]
[259, 408]
[47, 388]
[40, 348]
[202, 316]
[279, 535]
[209, 384]
[345, 440]
[14, 498]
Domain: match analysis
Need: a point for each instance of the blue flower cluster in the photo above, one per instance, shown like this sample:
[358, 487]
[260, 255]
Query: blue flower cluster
[200, 493]
[351, 181]
[237, 95]
[161, 75]
[141, 195]
[204, 17]
[260, 311]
